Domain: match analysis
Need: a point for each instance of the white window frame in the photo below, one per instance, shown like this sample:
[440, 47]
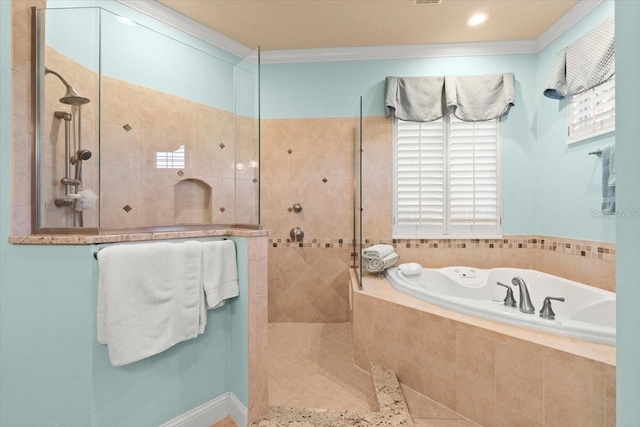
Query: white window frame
[447, 231]
[586, 117]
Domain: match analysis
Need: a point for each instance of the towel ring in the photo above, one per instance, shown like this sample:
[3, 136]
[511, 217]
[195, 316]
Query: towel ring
[95, 253]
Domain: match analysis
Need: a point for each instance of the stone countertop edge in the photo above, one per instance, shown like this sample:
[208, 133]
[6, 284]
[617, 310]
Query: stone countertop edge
[80, 239]
[392, 412]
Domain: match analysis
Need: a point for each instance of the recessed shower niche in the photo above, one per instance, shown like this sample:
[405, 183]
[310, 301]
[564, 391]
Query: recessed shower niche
[192, 202]
[140, 127]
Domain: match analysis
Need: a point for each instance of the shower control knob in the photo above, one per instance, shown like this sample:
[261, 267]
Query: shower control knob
[297, 208]
[297, 234]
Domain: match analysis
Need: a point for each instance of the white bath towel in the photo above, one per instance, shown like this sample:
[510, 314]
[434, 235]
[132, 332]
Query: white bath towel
[410, 269]
[219, 272]
[150, 297]
[377, 251]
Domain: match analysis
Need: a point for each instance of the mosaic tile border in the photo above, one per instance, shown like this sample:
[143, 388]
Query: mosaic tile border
[596, 250]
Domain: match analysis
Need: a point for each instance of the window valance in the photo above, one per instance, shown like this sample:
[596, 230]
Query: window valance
[584, 64]
[473, 98]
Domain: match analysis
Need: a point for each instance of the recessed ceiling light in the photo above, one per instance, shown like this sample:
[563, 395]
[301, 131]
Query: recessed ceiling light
[477, 19]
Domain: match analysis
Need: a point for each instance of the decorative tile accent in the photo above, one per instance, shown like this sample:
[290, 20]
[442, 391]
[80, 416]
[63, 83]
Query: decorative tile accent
[289, 151]
[324, 180]
[127, 208]
[180, 173]
[255, 180]
[127, 127]
[222, 209]
[290, 209]
[222, 145]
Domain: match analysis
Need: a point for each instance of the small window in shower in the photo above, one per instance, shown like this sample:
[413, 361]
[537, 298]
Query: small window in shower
[170, 159]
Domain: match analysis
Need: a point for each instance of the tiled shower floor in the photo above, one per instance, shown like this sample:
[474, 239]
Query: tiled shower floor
[311, 365]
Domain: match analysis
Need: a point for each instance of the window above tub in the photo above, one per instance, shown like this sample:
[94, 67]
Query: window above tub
[447, 179]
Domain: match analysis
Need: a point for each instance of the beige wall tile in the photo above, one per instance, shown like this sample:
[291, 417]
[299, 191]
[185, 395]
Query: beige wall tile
[506, 417]
[573, 396]
[475, 364]
[476, 407]
[439, 341]
[519, 375]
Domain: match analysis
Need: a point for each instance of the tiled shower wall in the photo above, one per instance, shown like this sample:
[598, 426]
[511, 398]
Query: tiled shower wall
[310, 161]
[22, 120]
[136, 123]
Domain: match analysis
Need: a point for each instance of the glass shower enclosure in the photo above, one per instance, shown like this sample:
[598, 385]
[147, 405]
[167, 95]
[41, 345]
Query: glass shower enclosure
[141, 128]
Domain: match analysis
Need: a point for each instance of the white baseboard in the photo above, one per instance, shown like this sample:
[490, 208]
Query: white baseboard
[237, 411]
[211, 412]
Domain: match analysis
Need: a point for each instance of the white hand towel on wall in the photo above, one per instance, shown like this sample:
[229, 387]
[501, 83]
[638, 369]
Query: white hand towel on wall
[219, 272]
[150, 297]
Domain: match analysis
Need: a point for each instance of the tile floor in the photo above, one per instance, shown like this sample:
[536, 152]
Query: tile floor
[311, 365]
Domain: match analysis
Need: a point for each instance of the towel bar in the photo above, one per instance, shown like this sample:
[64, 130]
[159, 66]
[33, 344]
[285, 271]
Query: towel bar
[95, 253]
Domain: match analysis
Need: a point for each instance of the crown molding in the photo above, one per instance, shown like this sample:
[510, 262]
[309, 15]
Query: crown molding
[575, 14]
[170, 17]
[177, 20]
[397, 52]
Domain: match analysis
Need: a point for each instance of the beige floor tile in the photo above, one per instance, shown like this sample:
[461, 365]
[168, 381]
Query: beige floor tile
[225, 422]
[311, 365]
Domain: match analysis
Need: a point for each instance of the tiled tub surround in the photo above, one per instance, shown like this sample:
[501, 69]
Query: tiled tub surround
[298, 155]
[307, 281]
[494, 374]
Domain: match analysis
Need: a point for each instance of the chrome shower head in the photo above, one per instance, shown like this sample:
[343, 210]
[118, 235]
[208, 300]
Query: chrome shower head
[83, 155]
[71, 97]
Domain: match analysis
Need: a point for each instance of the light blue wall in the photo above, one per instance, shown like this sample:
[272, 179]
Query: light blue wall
[149, 54]
[548, 187]
[569, 179]
[54, 370]
[628, 202]
[332, 89]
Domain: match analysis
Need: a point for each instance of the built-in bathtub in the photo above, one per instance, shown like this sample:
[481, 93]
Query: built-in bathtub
[587, 313]
[492, 372]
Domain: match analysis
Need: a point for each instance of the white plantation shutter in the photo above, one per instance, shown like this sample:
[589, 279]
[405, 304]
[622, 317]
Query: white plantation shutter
[420, 174]
[447, 179]
[473, 178]
[592, 112]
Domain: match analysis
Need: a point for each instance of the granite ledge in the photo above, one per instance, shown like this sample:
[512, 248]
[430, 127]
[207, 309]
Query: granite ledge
[392, 412]
[80, 239]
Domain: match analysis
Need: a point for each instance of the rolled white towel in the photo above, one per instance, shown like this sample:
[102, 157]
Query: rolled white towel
[410, 269]
[378, 265]
[377, 251]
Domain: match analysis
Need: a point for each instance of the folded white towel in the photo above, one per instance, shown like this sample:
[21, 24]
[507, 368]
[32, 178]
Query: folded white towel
[377, 251]
[150, 297]
[410, 269]
[220, 272]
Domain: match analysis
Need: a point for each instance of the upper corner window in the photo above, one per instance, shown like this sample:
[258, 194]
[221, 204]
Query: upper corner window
[592, 112]
[447, 179]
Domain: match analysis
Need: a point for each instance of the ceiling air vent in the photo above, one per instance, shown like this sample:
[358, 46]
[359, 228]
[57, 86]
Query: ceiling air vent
[421, 2]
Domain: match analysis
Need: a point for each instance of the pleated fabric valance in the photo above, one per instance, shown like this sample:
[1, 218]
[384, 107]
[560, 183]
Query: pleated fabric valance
[584, 64]
[472, 98]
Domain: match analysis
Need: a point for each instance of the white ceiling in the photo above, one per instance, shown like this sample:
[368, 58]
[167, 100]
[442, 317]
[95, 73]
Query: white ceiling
[313, 24]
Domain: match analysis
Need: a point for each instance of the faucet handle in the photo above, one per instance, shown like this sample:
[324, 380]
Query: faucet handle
[509, 300]
[547, 311]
